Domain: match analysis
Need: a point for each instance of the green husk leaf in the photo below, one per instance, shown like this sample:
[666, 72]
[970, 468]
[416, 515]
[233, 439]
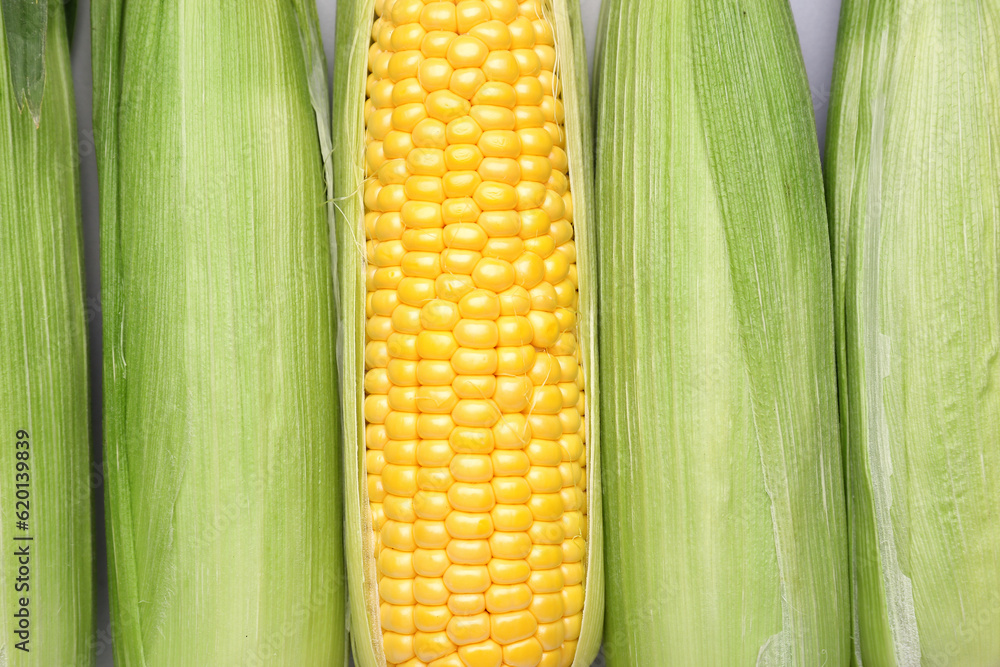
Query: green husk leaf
[354, 22]
[223, 493]
[25, 28]
[571, 57]
[914, 198]
[43, 368]
[724, 506]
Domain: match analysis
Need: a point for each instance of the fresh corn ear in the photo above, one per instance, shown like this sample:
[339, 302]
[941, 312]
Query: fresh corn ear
[223, 484]
[45, 494]
[473, 500]
[914, 195]
[723, 493]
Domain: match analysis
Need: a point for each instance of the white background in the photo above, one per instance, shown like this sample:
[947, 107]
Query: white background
[817, 24]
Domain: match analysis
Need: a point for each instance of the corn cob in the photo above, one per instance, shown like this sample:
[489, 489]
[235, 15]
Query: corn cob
[913, 164]
[473, 504]
[224, 512]
[45, 492]
[724, 507]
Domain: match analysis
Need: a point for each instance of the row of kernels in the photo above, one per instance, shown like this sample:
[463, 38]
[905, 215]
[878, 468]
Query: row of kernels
[526, 653]
[495, 165]
[466, 13]
[403, 423]
[464, 16]
[461, 65]
[429, 608]
[476, 396]
[422, 222]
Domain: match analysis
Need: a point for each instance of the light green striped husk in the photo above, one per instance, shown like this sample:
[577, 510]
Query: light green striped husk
[221, 412]
[725, 525]
[43, 362]
[914, 194]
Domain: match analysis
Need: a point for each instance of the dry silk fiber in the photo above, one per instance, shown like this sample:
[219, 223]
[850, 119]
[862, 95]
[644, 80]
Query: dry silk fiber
[914, 197]
[723, 492]
[45, 486]
[223, 486]
[468, 335]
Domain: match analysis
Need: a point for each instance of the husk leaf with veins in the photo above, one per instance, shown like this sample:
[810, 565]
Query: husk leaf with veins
[354, 20]
[221, 409]
[914, 197]
[43, 349]
[724, 507]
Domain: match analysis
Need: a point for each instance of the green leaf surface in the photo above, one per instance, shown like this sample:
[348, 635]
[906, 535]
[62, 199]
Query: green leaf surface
[25, 23]
[43, 375]
[724, 508]
[913, 188]
[221, 421]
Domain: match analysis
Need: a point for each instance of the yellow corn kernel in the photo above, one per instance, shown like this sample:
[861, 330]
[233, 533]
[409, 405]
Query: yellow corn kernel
[470, 14]
[546, 581]
[439, 16]
[431, 618]
[471, 498]
[421, 215]
[502, 598]
[525, 653]
[471, 440]
[450, 660]
[511, 490]
[509, 463]
[548, 608]
[428, 591]
[398, 591]
[405, 11]
[467, 51]
[446, 106]
[453, 287]
[508, 571]
[430, 535]
[571, 625]
[506, 248]
[513, 432]
[435, 400]
[469, 552]
[435, 43]
[502, 66]
[467, 579]
[499, 143]
[400, 452]
[397, 535]
[510, 545]
[429, 646]
[473, 468]
[465, 630]
[513, 393]
[398, 619]
[479, 413]
[398, 648]
[484, 654]
[503, 10]
[429, 133]
[466, 526]
[511, 518]
[512, 627]
[467, 604]
[431, 505]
